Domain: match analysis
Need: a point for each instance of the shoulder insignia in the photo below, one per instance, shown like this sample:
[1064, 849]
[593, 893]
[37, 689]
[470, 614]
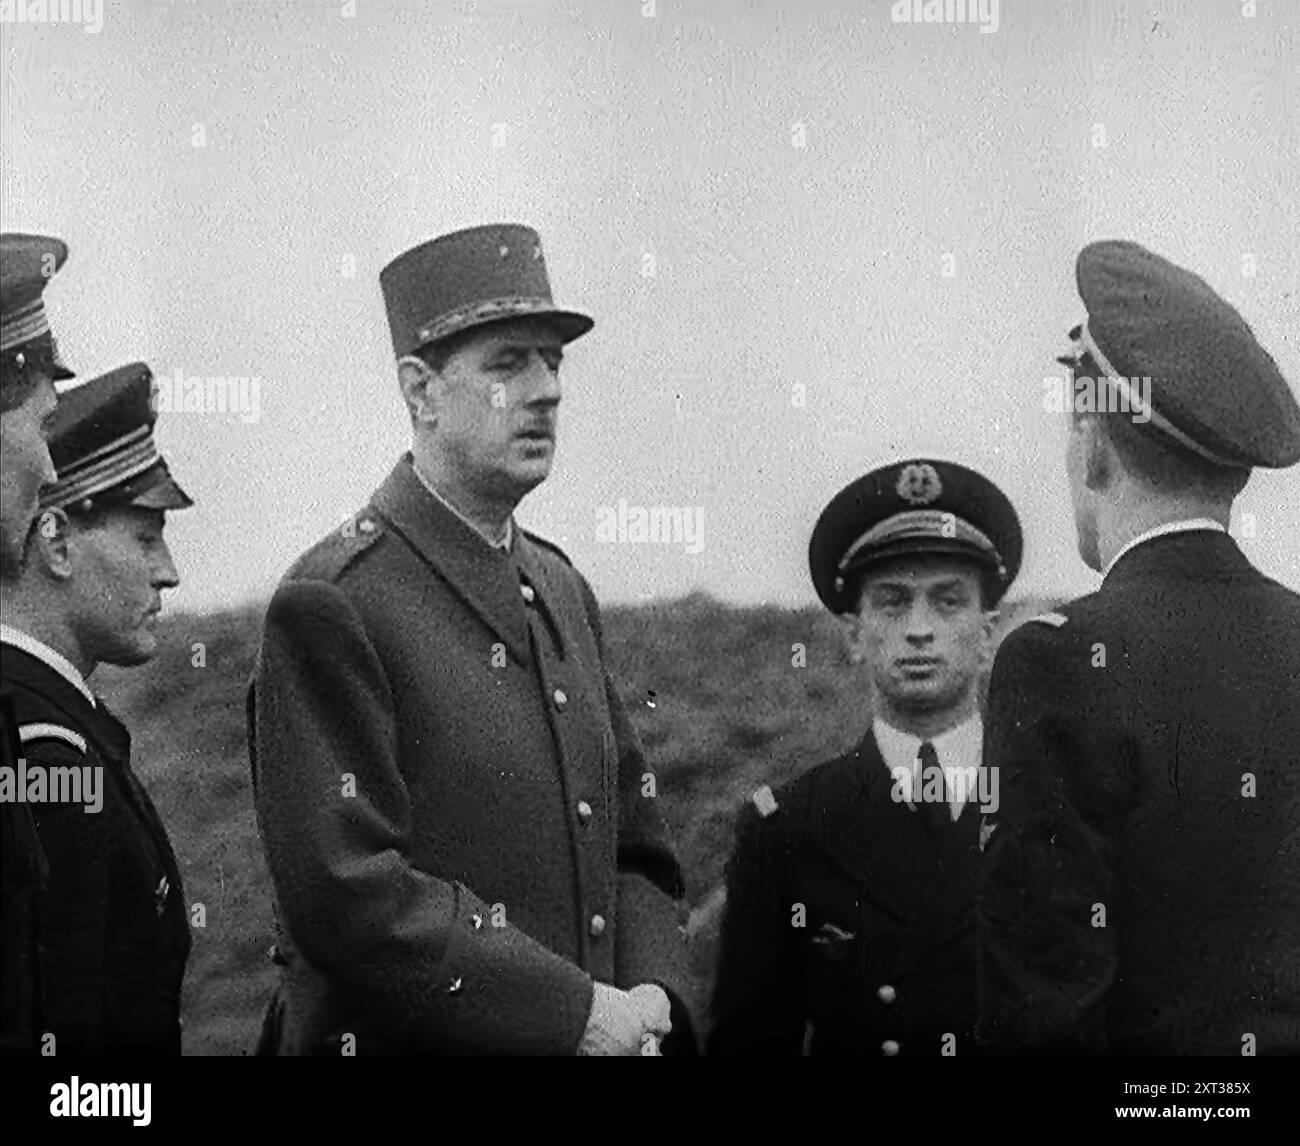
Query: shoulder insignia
[1056, 620]
[30, 732]
[547, 545]
[764, 801]
[330, 556]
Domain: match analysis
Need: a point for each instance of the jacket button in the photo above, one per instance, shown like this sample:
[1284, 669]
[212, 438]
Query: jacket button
[598, 925]
[889, 1047]
[584, 811]
[887, 994]
[528, 594]
[560, 699]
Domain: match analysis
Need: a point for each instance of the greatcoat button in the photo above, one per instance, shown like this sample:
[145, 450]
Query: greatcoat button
[889, 1047]
[528, 594]
[598, 925]
[584, 811]
[887, 994]
[560, 699]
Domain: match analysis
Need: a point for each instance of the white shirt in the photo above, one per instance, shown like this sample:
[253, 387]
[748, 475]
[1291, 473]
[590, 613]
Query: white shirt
[1189, 526]
[959, 751]
[42, 652]
[504, 544]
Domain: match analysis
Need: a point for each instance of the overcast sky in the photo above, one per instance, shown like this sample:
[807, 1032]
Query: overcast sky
[230, 179]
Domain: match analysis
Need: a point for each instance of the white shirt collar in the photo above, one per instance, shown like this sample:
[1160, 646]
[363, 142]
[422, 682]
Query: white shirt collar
[960, 751]
[1188, 526]
[42, 652]
[503, 545]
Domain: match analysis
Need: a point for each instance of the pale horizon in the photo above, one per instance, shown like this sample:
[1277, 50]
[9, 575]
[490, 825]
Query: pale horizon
[814, 241]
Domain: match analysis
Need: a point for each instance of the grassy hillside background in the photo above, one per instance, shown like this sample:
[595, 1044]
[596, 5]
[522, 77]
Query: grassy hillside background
[711, 690]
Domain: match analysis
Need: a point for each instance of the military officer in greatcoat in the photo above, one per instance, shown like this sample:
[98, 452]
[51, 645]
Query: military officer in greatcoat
[29, 367]
[1142, 885]
[113, 929]
[848, 924]
[463, 833]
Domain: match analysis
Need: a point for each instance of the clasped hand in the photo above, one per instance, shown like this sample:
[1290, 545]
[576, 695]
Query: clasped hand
[626, 1022]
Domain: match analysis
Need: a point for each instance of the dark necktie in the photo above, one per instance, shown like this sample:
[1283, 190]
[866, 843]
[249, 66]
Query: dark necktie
[934, 813]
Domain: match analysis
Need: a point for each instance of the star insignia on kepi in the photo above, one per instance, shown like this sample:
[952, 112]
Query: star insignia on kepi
[919, 484]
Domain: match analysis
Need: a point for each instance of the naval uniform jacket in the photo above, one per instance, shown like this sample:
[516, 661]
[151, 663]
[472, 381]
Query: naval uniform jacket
[1160, 786]
[23, 876]
[113, 928]
[458, 820]
[884, 949]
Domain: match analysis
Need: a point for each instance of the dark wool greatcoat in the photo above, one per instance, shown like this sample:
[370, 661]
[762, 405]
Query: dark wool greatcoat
[113, 929]
[881, 958]
[1161, 786]
[458, 820]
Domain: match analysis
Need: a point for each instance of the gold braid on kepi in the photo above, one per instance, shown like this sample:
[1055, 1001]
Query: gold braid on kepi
[470, 278]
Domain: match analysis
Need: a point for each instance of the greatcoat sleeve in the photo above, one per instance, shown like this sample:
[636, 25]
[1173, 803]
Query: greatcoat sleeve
[756, 1007]
[650, 944]
[414, 951]
[1047, 947]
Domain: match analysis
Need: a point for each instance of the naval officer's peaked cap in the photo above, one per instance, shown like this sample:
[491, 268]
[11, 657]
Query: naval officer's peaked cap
[103, 449]
[913, 507]
[1214, 390]
[27, 263]
[468, 278]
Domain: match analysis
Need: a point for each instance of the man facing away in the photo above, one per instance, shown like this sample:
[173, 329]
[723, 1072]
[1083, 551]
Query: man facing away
[464, 836]
[848, 924]
[1142, 887]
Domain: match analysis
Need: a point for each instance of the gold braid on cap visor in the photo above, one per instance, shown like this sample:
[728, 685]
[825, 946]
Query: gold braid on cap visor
[108, 467]
[920, 525]
[23, 325]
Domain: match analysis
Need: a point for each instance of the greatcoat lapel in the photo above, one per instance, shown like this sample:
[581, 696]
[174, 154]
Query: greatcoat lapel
[563, 608]
[482, 576]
